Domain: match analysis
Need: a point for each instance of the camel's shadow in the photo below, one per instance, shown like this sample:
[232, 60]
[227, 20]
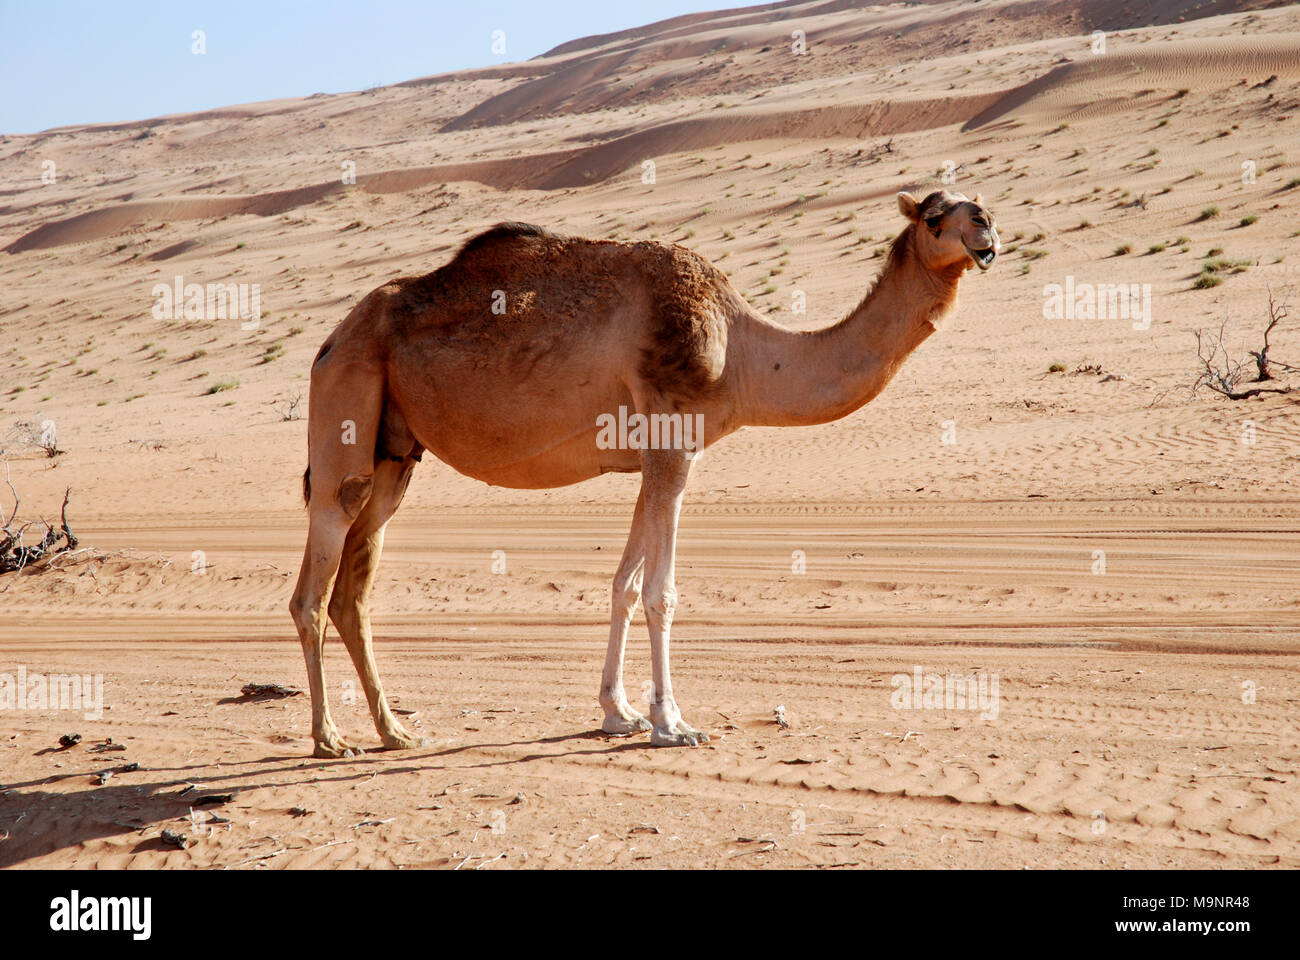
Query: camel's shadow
[40, 821]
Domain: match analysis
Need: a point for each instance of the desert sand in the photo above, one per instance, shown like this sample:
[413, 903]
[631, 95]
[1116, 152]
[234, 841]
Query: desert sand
[1120, 552]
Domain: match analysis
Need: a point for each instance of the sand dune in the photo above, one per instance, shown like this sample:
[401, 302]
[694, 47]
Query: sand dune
[1105, 84]
[547, 171]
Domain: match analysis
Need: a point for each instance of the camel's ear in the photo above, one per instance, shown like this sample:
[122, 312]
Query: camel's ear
[979, 199]
[909, 207]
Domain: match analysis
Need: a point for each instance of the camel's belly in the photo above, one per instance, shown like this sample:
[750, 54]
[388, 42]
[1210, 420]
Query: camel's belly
[557, 422]
[568, 463]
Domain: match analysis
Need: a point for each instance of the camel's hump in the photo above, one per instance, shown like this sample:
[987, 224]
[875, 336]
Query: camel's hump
[509, 230]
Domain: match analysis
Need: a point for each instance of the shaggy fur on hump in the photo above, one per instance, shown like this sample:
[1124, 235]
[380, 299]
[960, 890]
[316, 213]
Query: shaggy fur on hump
[687, 295]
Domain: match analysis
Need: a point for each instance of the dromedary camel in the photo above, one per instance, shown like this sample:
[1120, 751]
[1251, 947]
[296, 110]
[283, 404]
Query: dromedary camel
[511, 362]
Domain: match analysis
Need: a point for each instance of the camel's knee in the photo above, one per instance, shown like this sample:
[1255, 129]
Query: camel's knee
[661, 602]
[626, 591]
[300, 608]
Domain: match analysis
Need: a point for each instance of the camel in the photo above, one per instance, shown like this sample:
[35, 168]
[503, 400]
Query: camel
[509, 364]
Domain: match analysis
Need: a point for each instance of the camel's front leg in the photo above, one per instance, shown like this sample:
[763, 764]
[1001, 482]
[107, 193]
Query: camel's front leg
[620, 719]
[664, 483]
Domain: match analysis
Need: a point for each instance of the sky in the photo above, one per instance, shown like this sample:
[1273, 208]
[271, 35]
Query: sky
[92, 61]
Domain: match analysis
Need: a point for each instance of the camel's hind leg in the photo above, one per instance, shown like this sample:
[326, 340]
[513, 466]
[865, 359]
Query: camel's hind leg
[349, 606]
[325, 539]
[343, 426]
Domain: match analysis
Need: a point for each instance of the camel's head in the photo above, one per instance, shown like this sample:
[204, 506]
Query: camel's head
[952, 230]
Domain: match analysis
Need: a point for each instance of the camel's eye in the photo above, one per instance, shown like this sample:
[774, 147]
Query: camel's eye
[980, 220]
[933, 222]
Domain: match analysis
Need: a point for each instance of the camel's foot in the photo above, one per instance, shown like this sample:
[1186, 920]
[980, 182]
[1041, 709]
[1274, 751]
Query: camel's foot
[677, 735]
[670, 730]
[624, 723]
[330, 747]
[620, 719]
[398, 738]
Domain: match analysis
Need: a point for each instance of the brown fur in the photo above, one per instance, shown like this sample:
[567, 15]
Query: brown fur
[689, 298]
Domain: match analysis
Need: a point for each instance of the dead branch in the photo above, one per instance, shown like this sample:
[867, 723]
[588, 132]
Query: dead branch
[15, 554]
[14, 493]
[288, 408]
[1277, 313]
[69, 537]
[35, 433]
[1223, 373]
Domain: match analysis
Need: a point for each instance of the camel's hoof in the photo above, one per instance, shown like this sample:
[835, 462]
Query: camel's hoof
[335, 750]
[682, 736]
[404, 741]
[618, 726]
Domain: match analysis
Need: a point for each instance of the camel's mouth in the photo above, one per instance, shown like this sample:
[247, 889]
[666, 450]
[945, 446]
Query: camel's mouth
[983, 258]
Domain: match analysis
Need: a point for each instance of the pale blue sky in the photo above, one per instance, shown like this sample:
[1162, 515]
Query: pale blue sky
[90, 61]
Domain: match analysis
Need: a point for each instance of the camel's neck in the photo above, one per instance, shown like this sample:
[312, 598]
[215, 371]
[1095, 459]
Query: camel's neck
[793, 379]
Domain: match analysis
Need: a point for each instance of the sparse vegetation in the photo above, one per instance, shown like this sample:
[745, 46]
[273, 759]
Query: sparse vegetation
[288, 408]
[35, 433]
[15, 554]
[1226, 375]
[1224, 265]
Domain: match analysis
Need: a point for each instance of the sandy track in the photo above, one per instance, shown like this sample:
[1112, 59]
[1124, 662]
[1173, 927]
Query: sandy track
[1123, 702]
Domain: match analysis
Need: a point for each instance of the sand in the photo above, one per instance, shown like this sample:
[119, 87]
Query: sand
[1100, 539]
